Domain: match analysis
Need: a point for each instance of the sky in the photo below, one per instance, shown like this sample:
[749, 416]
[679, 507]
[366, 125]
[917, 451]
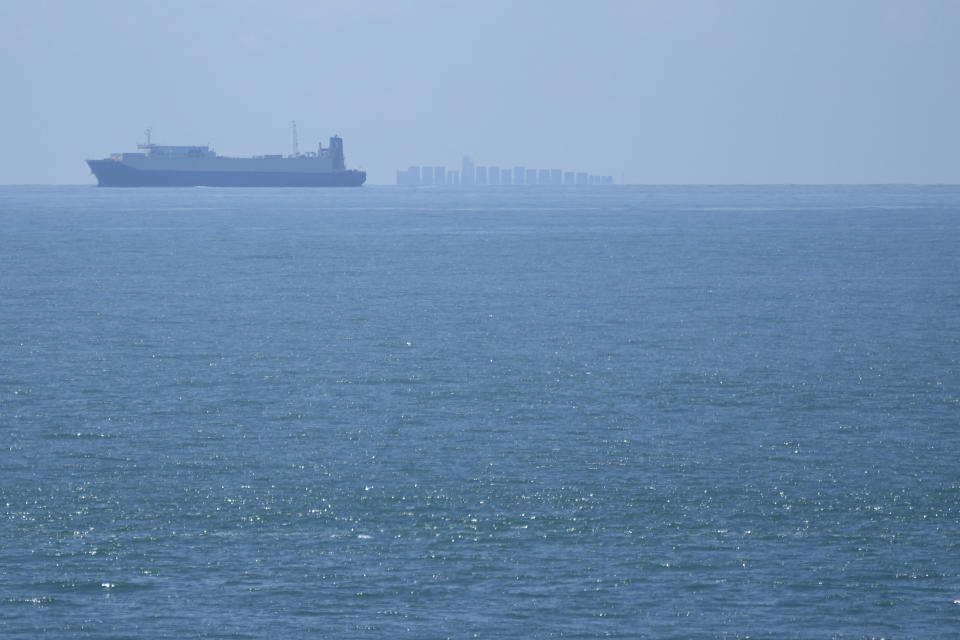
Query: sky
[669, 92]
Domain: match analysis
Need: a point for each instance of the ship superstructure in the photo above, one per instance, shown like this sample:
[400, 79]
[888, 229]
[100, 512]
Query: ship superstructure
[154, 165]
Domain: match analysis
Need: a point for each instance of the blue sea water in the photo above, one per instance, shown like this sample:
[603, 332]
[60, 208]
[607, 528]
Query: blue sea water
[513, 412]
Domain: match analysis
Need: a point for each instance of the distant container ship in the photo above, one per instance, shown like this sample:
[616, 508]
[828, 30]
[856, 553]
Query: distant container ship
[156, 165]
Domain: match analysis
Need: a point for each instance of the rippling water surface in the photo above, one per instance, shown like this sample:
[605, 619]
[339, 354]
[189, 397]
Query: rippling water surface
[503, 413]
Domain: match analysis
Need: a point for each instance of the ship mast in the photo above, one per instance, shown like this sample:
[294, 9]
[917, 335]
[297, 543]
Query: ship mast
[148, 136]
[296, 145]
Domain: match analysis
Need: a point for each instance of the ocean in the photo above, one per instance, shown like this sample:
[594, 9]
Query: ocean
[629, 411]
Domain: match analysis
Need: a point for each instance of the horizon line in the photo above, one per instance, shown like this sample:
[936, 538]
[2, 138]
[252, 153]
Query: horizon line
[543, 187]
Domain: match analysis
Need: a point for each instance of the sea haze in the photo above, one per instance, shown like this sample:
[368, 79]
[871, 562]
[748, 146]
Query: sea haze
[497, 413]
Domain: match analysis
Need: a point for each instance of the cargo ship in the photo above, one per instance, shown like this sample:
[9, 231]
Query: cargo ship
[154, 165]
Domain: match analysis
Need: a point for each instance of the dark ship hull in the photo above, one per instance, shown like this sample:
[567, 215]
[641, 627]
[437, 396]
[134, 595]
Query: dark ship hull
[111, 173]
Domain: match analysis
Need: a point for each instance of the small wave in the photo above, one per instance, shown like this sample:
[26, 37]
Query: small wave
[85, 435]
[37, 600]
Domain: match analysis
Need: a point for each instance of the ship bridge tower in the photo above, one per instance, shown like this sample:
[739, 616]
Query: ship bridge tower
[336, 154]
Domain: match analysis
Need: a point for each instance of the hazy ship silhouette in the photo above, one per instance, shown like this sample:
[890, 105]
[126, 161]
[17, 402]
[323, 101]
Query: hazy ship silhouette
[156, 165]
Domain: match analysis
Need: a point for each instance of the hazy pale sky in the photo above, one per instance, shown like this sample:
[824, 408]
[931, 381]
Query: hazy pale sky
[663, 92]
